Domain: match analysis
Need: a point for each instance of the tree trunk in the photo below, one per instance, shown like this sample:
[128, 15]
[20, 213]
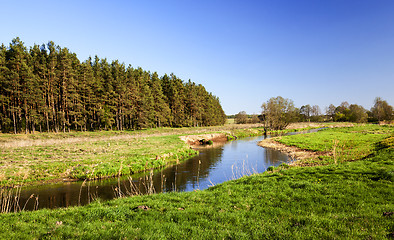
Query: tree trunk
[14, 119]
[47, 118]
[26, 120]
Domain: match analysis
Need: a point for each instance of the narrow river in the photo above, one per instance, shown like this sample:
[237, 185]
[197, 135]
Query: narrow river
[214, 165]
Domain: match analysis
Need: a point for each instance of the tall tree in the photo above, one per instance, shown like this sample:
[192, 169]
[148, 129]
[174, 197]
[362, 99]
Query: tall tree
[48, 88]
[5, 120]
[278, 112]
[174, 90]
[145, 101]
[162, 110]
[19, 82]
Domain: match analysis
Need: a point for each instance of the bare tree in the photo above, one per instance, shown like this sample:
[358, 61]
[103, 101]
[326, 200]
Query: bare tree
[278, 112]
[305, 111]
[330, 111]
[382, 110]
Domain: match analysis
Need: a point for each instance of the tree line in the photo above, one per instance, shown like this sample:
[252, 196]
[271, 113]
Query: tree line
[278, 112]
[47, 88]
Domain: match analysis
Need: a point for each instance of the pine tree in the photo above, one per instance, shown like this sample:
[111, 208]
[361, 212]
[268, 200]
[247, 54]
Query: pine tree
[16, 65]
[161, 108]
[51, 85]
[5, 121]
[145, 101]
[48, 88]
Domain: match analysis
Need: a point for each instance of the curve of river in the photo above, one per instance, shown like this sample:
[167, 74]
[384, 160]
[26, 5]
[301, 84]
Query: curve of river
[214, 165]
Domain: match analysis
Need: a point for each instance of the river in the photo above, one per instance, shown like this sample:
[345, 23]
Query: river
[214, 165]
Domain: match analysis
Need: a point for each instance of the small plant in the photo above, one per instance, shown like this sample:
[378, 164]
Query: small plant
[284, 166]
[270, 168]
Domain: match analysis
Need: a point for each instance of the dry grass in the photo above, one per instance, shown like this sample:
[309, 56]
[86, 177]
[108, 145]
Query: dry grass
[298, 125]
[45, 139]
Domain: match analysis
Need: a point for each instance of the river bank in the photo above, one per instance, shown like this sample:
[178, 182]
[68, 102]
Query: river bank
[41, 158]
[330, 145]
[293, 152]
[30, 159]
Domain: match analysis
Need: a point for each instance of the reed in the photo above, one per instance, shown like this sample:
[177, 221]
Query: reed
[10, 200]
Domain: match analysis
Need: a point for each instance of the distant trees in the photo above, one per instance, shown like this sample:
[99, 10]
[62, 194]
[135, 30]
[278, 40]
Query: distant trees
[357, 114]
[381, 110]
[47, 88]
[310, 113]
[278, 112]
[241, 118]
[330, 111]
[316, 113]
[346, 112]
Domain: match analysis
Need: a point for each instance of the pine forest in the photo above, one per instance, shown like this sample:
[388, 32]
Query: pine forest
[47, 88]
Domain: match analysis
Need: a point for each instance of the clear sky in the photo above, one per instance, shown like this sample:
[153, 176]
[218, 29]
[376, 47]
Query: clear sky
[244, 52]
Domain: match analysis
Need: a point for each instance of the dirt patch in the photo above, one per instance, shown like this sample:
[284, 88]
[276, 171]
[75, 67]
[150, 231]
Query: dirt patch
[194, 140]
[293, 152]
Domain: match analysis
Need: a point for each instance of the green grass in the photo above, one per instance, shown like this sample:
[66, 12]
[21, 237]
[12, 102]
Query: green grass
[27, 159]
[90, 159]
[347, 200]
[348, 144]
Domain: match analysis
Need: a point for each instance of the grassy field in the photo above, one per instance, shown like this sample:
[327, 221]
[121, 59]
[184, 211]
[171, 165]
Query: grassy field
[347, 200]
[342, 200]
[44, 157]
[27, 159]
[89, 159]
[341, 144]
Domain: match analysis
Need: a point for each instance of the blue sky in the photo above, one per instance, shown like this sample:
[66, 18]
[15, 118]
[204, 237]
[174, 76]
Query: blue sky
[245, 52]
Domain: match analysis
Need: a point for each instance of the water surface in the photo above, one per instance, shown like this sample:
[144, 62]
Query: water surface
[214, 165]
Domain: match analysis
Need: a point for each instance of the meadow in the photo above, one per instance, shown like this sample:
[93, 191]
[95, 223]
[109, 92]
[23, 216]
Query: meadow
[351, 198]
[89, 159]
[28, 159]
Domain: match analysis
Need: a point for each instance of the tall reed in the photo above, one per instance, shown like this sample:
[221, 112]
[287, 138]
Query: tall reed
[10, 200]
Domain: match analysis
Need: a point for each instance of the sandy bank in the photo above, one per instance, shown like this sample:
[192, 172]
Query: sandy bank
[294, 152]
[194, 140]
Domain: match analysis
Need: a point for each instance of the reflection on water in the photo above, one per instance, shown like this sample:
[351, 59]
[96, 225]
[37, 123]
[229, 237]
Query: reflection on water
[214, 165]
